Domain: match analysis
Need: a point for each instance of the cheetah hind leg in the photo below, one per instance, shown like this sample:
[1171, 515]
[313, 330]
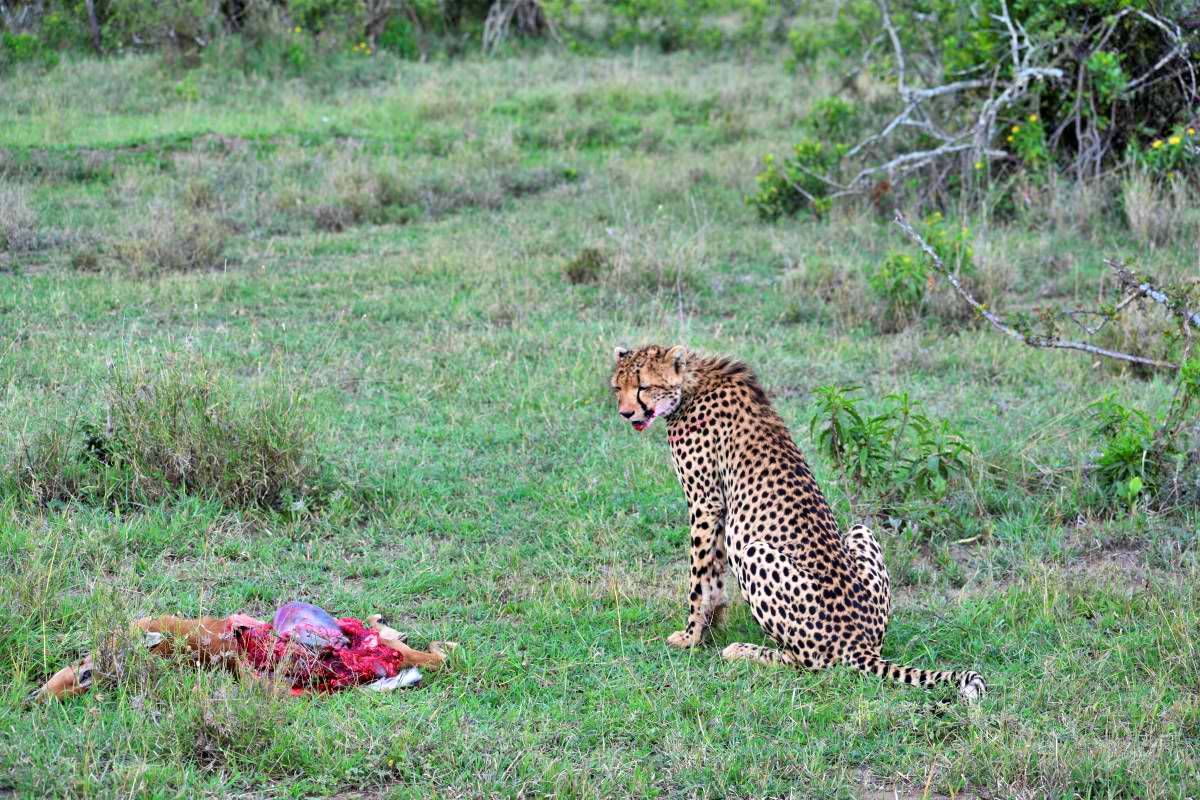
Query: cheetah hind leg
[868, 558]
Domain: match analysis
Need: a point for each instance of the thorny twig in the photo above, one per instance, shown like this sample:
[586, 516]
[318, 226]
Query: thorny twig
[1106, 317]
[1000, 325]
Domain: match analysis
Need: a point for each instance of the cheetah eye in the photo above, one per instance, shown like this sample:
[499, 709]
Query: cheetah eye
[643, 388]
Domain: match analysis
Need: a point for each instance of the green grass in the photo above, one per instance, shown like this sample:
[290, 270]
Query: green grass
[455, 378]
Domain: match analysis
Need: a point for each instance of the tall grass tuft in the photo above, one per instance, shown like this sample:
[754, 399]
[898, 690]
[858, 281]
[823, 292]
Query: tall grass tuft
[175, 240]
[179, 428]
[1156, 212]
[18, 222]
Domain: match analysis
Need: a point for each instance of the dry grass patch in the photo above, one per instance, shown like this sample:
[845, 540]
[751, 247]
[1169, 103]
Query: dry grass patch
[1157, 214]
[359, 192]
[174, 240]
[18, 222]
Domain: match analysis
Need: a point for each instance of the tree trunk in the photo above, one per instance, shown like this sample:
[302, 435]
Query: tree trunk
[93, 24]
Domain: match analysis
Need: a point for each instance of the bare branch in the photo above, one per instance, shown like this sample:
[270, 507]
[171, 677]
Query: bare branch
[1106, 317]
[1144, 288]
[1000, 325]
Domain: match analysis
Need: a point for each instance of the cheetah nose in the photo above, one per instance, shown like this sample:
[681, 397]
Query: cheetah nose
[626, 414]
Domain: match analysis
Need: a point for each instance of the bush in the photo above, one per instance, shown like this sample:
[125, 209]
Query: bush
[899, 452]
[1140, 459]
[319, 15]
[854, 26]
[25, 48]
[589, 266]
[399, 37]
[901, 282]
[1085, 86]
[181, 25]
[1128, 463]
[179, 428]
[1170, 156]
[796, 185]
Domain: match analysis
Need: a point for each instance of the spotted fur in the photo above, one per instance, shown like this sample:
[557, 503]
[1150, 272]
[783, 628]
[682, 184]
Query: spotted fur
[753, 504]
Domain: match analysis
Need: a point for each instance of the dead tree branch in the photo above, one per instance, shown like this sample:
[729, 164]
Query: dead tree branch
[1000, 325]
[916, 115]
[1144, 288]
[940, 124]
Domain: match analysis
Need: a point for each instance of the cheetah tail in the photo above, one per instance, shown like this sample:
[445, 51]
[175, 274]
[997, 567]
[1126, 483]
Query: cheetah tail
[970, 685]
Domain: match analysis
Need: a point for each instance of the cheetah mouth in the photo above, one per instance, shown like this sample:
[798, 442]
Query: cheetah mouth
[642, 424]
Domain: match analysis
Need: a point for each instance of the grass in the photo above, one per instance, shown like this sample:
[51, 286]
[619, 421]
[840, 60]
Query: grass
[440, 261]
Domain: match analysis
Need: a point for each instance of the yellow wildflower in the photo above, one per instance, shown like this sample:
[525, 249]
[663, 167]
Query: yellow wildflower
[1191, 131]
[1157, 143]
[1010, 138]
[1033, 117]
[978, 165]
[1174, 140]
[1016, 128]
[297, 29]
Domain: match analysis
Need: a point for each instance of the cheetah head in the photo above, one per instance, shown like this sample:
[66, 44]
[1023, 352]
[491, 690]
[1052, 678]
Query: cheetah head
[648, 382]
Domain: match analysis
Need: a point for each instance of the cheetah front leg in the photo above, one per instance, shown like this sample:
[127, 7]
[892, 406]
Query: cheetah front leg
[706, 595]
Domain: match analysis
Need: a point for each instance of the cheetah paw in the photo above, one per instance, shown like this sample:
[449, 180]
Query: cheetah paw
[683, 640]
[736, 652]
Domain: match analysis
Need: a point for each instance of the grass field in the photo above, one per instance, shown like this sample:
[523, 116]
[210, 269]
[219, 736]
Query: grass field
[391, 265]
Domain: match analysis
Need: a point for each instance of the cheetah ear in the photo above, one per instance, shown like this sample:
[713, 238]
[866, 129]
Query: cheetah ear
[675, 356]
[620, 352]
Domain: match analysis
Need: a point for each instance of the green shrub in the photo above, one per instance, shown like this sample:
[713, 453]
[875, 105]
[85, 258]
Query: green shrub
[589, 266]
[399, 37]
[796, 185]
[834, 120]
[900, 282]
[25, 48]
[803, 182]
[176, 24]
[856, 24]
[951, 242]
[1028, 140]
[899, 452]
[1167, 156]
[1140, 458]
[317, 16]
[1129, 463]
[1108, 93]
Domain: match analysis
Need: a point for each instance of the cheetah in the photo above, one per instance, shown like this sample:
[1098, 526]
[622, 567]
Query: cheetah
[752, 503]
